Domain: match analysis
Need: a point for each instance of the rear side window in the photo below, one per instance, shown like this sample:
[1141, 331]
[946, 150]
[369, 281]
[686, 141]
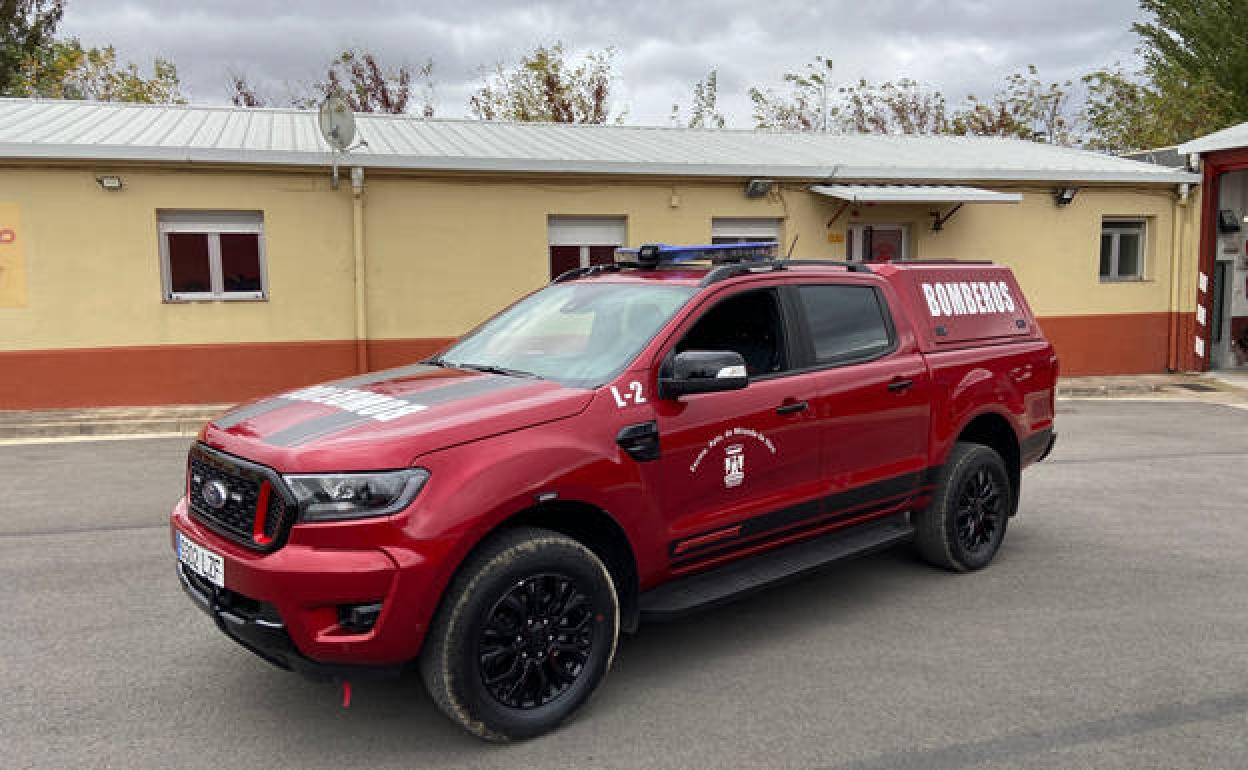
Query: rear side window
[846, 322]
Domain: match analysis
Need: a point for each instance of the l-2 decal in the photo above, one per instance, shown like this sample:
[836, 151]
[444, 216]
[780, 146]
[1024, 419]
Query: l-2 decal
[633, 394]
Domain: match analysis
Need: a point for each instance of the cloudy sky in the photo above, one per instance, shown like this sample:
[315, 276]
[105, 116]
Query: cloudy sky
[962, 46]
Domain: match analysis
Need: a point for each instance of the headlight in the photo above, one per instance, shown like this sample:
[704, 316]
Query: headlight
[337, 496]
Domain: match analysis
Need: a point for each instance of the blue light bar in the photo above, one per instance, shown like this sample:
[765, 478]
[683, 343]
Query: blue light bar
[662, 253]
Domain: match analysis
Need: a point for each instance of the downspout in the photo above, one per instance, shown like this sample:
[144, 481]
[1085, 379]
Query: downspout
[1178, 226]
[361, 287]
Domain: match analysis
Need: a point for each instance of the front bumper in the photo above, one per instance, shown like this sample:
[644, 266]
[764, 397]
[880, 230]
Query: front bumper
[284, 605]
[257, 627]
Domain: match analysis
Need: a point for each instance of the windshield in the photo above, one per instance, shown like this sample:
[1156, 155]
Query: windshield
[578, 334]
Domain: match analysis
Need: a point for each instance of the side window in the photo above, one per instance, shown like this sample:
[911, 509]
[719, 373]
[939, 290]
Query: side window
[748, 323]
[212, 255]
[846, 322]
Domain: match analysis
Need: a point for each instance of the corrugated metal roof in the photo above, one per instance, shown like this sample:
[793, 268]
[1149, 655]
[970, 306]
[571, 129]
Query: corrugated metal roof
[914, 193]
[66, 130]
[1226, 139]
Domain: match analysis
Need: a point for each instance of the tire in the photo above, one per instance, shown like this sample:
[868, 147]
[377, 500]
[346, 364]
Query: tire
[963, 527]
[490, 625]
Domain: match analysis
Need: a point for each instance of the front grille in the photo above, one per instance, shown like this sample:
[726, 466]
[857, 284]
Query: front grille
[235, 514]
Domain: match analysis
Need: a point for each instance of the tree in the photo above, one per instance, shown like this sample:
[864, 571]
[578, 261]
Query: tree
[26, 28]
[545, 86]
[359, 78]
[1195, 56]
[806, 106]
[704, 111]
[243, 93]
[65, 69]
[1118, 111]
[1025, 108]
[902, 107]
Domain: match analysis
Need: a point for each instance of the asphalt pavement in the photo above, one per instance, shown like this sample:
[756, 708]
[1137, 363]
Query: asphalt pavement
[1111, 632]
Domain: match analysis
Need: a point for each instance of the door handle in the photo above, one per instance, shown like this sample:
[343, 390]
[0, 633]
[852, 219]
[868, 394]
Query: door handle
[792, 407]
[640, 441]
[899, 385]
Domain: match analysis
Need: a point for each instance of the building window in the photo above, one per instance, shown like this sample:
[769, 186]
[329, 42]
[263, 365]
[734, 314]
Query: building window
[1122, 250]
[209, 255]
[745, 229]
[583, 241]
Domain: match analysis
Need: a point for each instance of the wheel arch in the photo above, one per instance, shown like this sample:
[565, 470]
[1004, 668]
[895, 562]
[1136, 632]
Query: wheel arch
[997, 432]
[594, 528]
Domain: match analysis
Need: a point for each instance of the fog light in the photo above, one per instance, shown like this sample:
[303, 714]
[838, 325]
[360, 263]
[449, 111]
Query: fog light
[358, 618]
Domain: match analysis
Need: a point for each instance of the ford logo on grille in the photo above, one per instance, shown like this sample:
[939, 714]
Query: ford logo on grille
[215, 493]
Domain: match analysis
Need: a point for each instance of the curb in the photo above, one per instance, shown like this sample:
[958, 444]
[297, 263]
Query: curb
[105, 422]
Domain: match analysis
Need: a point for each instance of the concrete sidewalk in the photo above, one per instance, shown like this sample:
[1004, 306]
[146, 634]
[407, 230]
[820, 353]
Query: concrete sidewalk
[186, 420]
[106, 422]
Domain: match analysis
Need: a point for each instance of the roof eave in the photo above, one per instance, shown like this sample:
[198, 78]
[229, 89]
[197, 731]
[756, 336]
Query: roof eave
[121, 153]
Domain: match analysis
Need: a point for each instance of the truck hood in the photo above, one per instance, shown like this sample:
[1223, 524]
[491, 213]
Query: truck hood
[387, 419]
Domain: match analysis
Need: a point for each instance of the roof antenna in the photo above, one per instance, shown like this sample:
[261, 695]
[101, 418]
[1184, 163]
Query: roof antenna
[792, 246]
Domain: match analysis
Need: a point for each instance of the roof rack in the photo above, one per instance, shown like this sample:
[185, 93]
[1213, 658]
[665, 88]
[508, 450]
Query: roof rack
[725, 260]
[725, 272]
[581, 272]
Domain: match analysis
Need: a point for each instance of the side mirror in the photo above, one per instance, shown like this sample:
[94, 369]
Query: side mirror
[702, 371]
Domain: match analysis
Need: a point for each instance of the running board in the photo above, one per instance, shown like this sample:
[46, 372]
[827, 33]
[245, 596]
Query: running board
[738, 579]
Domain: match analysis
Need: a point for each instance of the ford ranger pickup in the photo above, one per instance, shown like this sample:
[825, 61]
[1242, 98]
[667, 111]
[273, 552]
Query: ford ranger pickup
[634, 441]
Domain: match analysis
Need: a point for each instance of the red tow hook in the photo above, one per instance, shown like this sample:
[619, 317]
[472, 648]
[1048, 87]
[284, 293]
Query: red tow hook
[346, 695]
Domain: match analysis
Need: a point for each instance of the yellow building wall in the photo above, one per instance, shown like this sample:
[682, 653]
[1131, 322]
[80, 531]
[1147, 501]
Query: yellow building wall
[93, 259]
[1054, 251]
[445, 252]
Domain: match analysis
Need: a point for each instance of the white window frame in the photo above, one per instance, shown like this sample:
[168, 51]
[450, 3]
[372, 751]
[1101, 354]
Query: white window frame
[213, 224]
[1115, 227]
[855, 237]
[746, 229]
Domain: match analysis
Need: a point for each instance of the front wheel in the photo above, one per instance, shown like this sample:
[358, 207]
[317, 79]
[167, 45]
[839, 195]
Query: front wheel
[526, 632]
[964, 525]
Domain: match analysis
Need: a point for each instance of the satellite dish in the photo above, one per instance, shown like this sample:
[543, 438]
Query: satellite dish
[337, 122]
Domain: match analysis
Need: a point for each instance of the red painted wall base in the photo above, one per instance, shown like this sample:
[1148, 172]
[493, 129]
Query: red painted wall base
[228, 373]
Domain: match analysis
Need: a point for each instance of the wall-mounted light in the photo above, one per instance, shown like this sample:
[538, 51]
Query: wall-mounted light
[109, 182]
[1064, 196]
[757, 188]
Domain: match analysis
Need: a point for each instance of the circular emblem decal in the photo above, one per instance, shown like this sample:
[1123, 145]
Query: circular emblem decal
[215, 493]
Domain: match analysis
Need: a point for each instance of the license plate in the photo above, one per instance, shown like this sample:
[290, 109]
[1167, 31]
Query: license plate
[208, 565]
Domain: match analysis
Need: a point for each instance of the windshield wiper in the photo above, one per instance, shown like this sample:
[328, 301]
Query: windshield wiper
[491, 369]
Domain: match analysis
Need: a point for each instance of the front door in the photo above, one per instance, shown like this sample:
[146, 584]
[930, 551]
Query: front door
[877, 243]
[737, 466]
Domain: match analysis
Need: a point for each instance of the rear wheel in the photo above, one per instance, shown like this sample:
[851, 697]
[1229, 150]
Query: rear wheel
[963, 527]
[526, 632]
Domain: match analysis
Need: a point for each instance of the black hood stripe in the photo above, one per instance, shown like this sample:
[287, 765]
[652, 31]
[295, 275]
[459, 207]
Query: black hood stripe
[230, 419]
[385, 374]
[318, 427]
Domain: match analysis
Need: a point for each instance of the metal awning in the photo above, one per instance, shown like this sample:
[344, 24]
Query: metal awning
[913, 193]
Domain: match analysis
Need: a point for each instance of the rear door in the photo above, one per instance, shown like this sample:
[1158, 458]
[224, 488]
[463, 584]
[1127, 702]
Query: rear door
[873, 402]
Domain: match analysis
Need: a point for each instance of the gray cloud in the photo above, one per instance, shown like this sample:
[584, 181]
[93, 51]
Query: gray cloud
[962, 46]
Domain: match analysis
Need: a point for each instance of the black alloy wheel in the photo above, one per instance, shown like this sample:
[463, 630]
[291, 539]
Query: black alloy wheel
[963, 526]
[525, 633]
[536, 641]
[980, 512]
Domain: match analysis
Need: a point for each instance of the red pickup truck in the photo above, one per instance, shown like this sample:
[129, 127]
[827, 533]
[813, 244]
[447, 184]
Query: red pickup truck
[633, 441]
